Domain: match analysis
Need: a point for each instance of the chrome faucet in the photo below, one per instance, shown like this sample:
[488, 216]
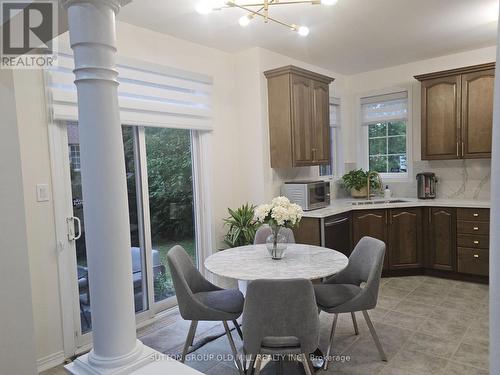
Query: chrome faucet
[370, 174]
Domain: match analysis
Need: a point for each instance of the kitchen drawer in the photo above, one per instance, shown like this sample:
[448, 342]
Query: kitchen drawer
[474, 242]
[473, 214]
[473, 227]
[473, 261]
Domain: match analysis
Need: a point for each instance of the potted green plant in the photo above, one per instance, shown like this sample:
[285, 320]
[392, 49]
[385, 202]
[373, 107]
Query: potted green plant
[356, 182]
[242, 226]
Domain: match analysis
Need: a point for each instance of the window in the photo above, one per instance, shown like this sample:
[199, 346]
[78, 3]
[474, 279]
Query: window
[385, 123]
[74, 156]
[333, 169]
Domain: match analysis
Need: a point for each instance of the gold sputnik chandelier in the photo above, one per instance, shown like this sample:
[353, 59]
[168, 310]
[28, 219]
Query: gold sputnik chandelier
[259, 10]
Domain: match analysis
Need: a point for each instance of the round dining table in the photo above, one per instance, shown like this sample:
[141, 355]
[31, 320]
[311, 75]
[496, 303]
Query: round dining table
[252, 262]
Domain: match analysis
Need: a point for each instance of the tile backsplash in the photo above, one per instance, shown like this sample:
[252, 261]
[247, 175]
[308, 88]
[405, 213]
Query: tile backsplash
[466, 179]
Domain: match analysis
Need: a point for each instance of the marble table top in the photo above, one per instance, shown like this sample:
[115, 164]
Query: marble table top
[254, 262]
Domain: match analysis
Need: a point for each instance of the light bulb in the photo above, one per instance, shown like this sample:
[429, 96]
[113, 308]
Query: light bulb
[244, 20]
[329, 2]
[204, 7]
[303, 31]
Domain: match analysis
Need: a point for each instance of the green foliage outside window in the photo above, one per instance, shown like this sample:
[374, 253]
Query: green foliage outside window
[387, 147]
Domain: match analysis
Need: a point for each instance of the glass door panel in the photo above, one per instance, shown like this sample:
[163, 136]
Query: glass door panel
[171, 201]
[135, 212]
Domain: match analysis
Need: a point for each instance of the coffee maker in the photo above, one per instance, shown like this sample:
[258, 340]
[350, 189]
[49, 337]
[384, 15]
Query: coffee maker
[426, 185]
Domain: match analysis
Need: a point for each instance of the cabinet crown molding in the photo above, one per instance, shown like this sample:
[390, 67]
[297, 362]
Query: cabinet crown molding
[289, 69]
[453, 72]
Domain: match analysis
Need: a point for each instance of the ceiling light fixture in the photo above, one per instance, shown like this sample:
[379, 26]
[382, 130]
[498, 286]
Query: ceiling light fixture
[259, 9]
[244, 21]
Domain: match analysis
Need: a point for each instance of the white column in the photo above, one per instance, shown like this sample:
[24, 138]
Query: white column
[494, 229]
[107, 231]
[116, 348]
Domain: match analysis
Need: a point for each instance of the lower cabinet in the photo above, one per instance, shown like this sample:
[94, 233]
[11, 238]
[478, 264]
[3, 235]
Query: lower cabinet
[441, 239]
[432, 238]
[405, 238]
[371, 223]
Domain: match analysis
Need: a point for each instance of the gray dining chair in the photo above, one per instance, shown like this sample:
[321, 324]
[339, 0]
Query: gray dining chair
[343, 293]
[265, 231]
[200, 300]
[280, 318]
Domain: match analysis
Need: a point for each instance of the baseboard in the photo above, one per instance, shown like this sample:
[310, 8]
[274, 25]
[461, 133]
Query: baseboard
[50, 361]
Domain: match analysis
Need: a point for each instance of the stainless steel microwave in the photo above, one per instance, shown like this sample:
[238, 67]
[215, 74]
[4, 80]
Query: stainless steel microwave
[310, 195]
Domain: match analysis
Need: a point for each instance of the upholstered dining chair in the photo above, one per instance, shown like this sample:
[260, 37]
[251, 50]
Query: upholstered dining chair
[343, 293]
[200, 300]
[288, 325]
[265, 231]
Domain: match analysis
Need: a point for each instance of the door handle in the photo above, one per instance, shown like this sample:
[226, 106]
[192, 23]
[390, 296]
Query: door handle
[340, 221]
[70, 221]
[476, 242]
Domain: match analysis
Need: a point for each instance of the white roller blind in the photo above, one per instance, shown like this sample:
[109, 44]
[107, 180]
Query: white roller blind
[147, 96]
[380, 108]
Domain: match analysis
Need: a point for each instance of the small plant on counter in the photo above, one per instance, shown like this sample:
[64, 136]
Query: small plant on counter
[355, 182]
[242, 226]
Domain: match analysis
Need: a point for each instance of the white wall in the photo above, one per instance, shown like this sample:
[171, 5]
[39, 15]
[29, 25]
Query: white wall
[17, 345]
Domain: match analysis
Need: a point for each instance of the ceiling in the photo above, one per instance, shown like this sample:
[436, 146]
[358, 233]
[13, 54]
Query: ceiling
[351, 37]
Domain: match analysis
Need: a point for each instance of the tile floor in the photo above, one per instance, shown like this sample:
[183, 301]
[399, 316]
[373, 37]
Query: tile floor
[427, 326]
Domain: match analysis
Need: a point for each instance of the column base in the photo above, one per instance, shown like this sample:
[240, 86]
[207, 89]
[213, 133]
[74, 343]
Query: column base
[148, 362]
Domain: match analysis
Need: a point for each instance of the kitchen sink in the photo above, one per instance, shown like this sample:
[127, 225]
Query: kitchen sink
[377, 201]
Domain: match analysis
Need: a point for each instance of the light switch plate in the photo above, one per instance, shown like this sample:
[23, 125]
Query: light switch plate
[42, 192]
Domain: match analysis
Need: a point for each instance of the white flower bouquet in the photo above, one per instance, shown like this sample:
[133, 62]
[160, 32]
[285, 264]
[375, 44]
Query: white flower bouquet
[278, 214]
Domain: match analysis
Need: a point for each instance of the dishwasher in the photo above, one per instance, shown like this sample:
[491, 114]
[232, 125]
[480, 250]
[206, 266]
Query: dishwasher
[337, 233]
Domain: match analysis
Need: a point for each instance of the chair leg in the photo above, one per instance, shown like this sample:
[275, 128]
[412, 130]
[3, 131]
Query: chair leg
[233, 348]
[355, 323]
[375, 336]
[251, 366]
[258, 364]
[238, 328]
[306, 362]
[330, 343]
[189, 339]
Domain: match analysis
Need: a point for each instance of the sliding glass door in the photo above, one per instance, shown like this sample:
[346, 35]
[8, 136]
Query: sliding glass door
[160, 186]
[171, 200]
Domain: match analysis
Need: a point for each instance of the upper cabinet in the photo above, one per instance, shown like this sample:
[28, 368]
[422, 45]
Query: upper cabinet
[299, 117]
[457, 113]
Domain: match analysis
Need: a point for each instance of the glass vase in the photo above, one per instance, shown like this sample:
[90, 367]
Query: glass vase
[276, 244]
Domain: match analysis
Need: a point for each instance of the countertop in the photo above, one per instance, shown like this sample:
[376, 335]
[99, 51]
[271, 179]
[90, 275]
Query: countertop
[339, 206]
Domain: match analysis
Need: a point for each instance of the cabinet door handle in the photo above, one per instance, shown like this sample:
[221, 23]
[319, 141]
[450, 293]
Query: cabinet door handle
[476, 255]
[475, 228]
[340, 221]
[475, 215]
[458, 152]
[463, 149]
[476, 242]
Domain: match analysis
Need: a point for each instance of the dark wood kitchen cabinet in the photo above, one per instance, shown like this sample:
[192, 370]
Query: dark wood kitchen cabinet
[441, 238]
[405, 238]
[477, 113]
[457, 113]
[338, 233]
[371, 223]
[299, 117]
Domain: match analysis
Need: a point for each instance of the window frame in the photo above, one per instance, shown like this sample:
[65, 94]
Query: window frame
[336, 151]
[363, 152]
